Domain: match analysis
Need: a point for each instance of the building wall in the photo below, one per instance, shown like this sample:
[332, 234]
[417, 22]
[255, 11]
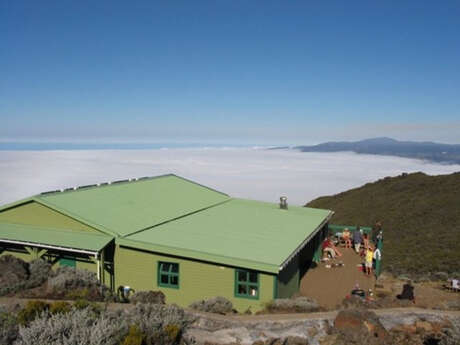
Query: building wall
[197, 280]
[36, 214]
[288, 279]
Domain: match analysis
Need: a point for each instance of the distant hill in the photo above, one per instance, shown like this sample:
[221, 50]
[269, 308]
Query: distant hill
[420, 215]
[442, 153]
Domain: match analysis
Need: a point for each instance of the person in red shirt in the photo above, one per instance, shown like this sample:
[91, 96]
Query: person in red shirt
[329, 247]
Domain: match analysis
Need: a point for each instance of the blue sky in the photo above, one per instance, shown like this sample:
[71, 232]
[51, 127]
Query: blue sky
[259, 72]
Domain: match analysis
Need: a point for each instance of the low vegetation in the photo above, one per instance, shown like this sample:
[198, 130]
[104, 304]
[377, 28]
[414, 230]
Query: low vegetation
[292, 305]
[61, 323]
[217, 305]
[17, 275]
[155, 297]
[420, 216]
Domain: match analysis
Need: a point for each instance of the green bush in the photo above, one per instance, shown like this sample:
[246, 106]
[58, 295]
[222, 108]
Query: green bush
[78, 294]
[60, 307]
[172, 332]
[9, 329]
[134, 337]
[31, 311]
[84, 304]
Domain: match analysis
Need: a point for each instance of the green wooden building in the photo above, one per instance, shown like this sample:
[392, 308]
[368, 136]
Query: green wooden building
[170, 234]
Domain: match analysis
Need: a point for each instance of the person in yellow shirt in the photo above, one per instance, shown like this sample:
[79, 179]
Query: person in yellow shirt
[369, 257]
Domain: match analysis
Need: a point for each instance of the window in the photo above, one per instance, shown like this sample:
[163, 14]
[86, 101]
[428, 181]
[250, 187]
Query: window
[168, 274]
[246, 284]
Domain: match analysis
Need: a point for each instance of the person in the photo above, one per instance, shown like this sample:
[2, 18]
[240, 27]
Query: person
[346, 238]
[407, 292]
[329, 247]
[369, 260]
[357, 239]
[375, 231]
[365, 241]
[377, 256]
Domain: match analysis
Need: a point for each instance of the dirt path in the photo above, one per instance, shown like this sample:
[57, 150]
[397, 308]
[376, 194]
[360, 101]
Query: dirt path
[12, 301]
[329, 286]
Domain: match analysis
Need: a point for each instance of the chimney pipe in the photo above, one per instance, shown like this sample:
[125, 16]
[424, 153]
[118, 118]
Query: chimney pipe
[283, 203]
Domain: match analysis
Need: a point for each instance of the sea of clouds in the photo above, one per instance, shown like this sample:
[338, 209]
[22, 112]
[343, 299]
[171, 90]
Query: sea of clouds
[253, 173]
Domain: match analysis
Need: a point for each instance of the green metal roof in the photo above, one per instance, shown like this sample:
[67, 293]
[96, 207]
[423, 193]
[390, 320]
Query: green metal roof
[127, 207]
[53, 237]
[238, 232]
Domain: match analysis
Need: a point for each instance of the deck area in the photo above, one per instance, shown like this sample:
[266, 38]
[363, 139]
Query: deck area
[329, 286]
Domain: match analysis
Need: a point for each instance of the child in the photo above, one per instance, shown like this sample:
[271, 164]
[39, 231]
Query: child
[369, 258]
[346, 238]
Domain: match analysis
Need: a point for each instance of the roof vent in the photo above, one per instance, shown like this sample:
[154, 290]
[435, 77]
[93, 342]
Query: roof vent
[283, 203]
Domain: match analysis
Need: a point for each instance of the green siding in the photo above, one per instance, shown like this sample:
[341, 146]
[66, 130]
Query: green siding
[288, 279]
[36, 214]
[198, 280]
[67, 262]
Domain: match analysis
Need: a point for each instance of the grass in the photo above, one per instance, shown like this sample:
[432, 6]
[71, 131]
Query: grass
[420, 216]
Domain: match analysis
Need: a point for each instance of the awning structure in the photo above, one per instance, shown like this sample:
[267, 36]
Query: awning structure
[52, 238]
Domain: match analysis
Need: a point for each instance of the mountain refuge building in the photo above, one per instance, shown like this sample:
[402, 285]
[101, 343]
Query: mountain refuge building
[170, 234]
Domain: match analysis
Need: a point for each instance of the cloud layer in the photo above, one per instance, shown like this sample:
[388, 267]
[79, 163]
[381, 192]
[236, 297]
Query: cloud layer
[241, 172]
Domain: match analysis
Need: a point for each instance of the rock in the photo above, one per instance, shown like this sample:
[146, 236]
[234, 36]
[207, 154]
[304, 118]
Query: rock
[330, 339]
[291, 340]
[426, 326]
[154, 297]
[443, 276]
[359, 321]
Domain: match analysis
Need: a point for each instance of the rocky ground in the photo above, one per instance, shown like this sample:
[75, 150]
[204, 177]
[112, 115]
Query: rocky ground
[409, 326]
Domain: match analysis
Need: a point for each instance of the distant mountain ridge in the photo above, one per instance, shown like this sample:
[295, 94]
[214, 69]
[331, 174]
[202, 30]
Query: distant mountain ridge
[426, 150]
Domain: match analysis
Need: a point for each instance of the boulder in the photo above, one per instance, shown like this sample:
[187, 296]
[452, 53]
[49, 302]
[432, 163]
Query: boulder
[360, 322]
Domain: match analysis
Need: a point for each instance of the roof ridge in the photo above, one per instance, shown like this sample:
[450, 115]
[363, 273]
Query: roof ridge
[104, 184]
[179, 217]
[201, 185]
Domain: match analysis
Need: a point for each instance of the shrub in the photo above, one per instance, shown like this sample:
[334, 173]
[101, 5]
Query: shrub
[17, 275]
[134, 337]
[72, 278]
[31, 311]
[81, 304]
[155, 297]
[12, 270]
[39, 270]
[78, 327]
[80, 283]
[84, 304]
[155, 324]
[9, 329]
[78, 294]
[60, 307]
[296, 305]
[172, 332]
[161, 324]
[218, 305]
